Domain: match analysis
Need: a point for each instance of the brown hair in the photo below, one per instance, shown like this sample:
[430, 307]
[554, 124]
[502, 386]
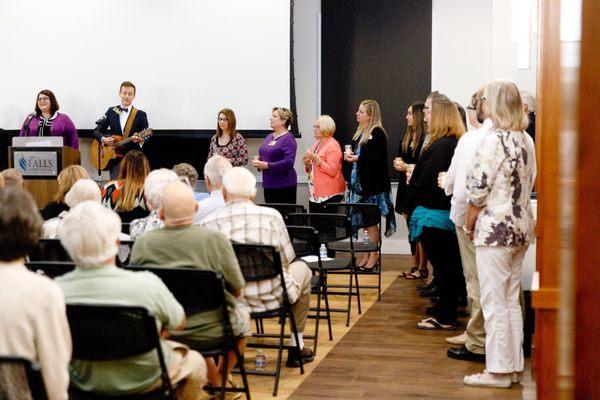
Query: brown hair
[285, 114]
[373, 110]
[230, 115]
[133, 172]
[445, 120]
[188, 171]
[415, 133]
[67, 178]
[20, 224]
[127, 84]
[53, 102]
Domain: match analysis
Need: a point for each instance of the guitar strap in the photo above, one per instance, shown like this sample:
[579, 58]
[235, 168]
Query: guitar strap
[129, 122]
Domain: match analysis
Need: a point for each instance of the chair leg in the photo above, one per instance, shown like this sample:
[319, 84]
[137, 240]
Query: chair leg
[224, 374]
[350, 288]
[379, 276]
[240, 358]
[317, 320]
[257, 326]
[357, 291]
[279, 358]
[326, 298]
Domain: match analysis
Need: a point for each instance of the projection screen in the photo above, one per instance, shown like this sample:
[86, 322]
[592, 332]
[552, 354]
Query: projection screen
[188, 59]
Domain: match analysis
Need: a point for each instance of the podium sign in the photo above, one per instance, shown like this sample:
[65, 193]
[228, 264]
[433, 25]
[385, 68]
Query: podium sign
[31, 163]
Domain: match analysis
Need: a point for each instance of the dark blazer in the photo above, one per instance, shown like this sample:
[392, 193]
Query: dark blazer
[423, 189]
[372, 164]
[112, 126]
[408, 158]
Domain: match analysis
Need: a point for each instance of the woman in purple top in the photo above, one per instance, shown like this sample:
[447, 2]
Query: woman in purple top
[276, 159]
[46, 121]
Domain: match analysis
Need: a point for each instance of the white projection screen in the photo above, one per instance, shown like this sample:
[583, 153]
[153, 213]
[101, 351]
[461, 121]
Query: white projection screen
[188, 59]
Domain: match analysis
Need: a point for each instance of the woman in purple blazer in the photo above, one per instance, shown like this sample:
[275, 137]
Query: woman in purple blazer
[276, 159]
[47, 121]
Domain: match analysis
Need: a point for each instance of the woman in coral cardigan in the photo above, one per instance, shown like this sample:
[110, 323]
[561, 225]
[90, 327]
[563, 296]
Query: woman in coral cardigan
[323, 162]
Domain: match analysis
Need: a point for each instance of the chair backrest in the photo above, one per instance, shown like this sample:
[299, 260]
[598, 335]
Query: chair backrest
[51, 269]
[49, 250]
[362, 214]
[258, 262]
[125, 227]
[21, 379]
[304, 239]
[285, 209]
[329, 227]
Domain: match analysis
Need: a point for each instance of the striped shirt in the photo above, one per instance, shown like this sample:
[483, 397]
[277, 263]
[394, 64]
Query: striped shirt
[244, 222]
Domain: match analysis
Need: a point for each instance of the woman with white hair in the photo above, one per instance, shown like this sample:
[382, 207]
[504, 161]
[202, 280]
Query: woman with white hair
[82, 190]
[153, 193]
[97, 280]
[500, 221]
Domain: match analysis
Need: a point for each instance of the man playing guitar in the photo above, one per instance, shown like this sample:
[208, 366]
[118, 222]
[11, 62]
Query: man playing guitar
[120, 122]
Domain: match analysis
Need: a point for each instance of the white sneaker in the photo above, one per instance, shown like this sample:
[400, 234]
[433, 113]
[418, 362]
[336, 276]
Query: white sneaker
[486, 379]
[459, 340]
[515, 377]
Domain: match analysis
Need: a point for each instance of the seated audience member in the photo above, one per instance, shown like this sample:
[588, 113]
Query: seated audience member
[12, 178]
[97, 280]
[181, 244]
[66, 179]
[33, 321]
[214, 169]
[155, 181]
[126, 194]
[243, 221]
[186, 170]
[82, 190]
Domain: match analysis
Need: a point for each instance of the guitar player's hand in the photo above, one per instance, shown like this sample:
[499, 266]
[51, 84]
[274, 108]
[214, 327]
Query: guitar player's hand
[108, 141]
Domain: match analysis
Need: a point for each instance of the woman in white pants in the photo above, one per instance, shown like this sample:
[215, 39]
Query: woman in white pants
[500, 222]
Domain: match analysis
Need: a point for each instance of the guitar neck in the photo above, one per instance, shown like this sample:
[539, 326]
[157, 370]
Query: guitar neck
[123, 142]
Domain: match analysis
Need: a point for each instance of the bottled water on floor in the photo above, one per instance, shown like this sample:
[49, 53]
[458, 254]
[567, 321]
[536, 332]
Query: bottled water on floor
[261, 360]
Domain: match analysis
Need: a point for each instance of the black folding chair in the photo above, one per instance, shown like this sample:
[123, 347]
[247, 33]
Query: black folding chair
[362, 215]
[201, 291]
[110, 333]
[21, 379]
[49, 250]
[331, 230]
[285, 209]
[258, 263]
[51, 269]
[306, 243]
[125, 227]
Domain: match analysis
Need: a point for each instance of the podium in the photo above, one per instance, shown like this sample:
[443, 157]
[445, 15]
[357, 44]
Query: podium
[40, 160]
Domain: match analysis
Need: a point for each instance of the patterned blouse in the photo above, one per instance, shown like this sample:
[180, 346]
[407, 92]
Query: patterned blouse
[501, 180]
[235, 150]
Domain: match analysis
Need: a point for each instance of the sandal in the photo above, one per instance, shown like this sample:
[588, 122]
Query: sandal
[430, 324]
[407, 273]
[418, 274]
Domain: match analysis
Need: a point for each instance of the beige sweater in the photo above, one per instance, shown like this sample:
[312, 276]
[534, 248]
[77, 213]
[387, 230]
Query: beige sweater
[33, 325]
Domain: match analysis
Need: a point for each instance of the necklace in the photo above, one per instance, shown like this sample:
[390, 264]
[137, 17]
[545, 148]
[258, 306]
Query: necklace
[273, 142]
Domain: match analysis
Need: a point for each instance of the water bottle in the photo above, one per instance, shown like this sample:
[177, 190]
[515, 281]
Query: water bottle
[365, 237]
[261, 360]
[323, 251]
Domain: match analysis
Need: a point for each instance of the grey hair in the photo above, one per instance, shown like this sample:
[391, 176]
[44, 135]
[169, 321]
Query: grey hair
[90, 250]
[215, 168]
[83, 190]
[154, 183]
[240, 183]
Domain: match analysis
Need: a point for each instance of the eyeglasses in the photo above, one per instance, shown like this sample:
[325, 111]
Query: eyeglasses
[221, 119]
[42, 99]
[470, 108]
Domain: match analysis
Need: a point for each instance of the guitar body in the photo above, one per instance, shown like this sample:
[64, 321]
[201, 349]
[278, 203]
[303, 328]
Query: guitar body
[107, 154]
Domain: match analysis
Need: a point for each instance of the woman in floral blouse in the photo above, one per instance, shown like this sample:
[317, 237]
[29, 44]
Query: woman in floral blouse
[500, 222]
[228, 142]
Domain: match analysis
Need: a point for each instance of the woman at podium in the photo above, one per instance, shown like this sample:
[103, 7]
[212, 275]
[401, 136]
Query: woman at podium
[47, 121]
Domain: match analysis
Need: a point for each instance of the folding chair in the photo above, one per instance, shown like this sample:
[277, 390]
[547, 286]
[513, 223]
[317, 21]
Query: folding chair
[331, 230]
[200, 291]
[109, 333]
[363, 215]
[125, 227]
[21, 379]
[51, 269]
[259, 262]
[49, 250]
[306, 243]
[285, 209]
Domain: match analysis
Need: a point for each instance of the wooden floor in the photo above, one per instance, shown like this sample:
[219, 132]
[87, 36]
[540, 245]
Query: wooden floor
[382, 355]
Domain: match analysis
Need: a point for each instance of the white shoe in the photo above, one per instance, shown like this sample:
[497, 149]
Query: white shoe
[486, 379]
[459, 340]
[515, 377]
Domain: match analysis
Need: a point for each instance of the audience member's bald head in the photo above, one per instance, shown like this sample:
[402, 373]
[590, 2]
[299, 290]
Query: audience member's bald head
[178, 204]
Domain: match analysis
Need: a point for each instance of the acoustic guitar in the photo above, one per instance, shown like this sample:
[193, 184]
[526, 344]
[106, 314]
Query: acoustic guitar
[108, 153]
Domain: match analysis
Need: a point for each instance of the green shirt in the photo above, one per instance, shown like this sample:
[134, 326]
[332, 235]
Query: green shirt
[112, 285]
[207, 249]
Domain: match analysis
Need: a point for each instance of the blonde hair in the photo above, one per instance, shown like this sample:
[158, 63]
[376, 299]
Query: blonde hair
[83, 190]
[12, 177]
[364, 132]
[506, 106]
[133, 172]
[445, 120]
[326, 125]
[67, 178]
[284, 114]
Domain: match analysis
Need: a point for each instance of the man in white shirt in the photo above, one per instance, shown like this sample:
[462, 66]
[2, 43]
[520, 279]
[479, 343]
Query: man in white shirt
[214, 169]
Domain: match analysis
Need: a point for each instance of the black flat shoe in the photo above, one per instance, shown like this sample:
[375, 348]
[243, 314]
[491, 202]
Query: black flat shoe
[462, 353]
[427, 285]
[293, 360]
[432, 292]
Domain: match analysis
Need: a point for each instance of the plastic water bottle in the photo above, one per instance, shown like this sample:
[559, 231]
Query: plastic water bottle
[323, 251]
[261, 360]
[365, 237]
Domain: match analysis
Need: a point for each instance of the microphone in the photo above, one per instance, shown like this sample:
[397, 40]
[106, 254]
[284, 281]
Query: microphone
[100, 120]
[27, 121]
[96, 132]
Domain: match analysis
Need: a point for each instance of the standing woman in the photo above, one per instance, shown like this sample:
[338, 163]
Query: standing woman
[47, 121]
[228, 142]
[370, 178]
[323, 162]
[408, 155]
[500, 222]
[276, 159]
